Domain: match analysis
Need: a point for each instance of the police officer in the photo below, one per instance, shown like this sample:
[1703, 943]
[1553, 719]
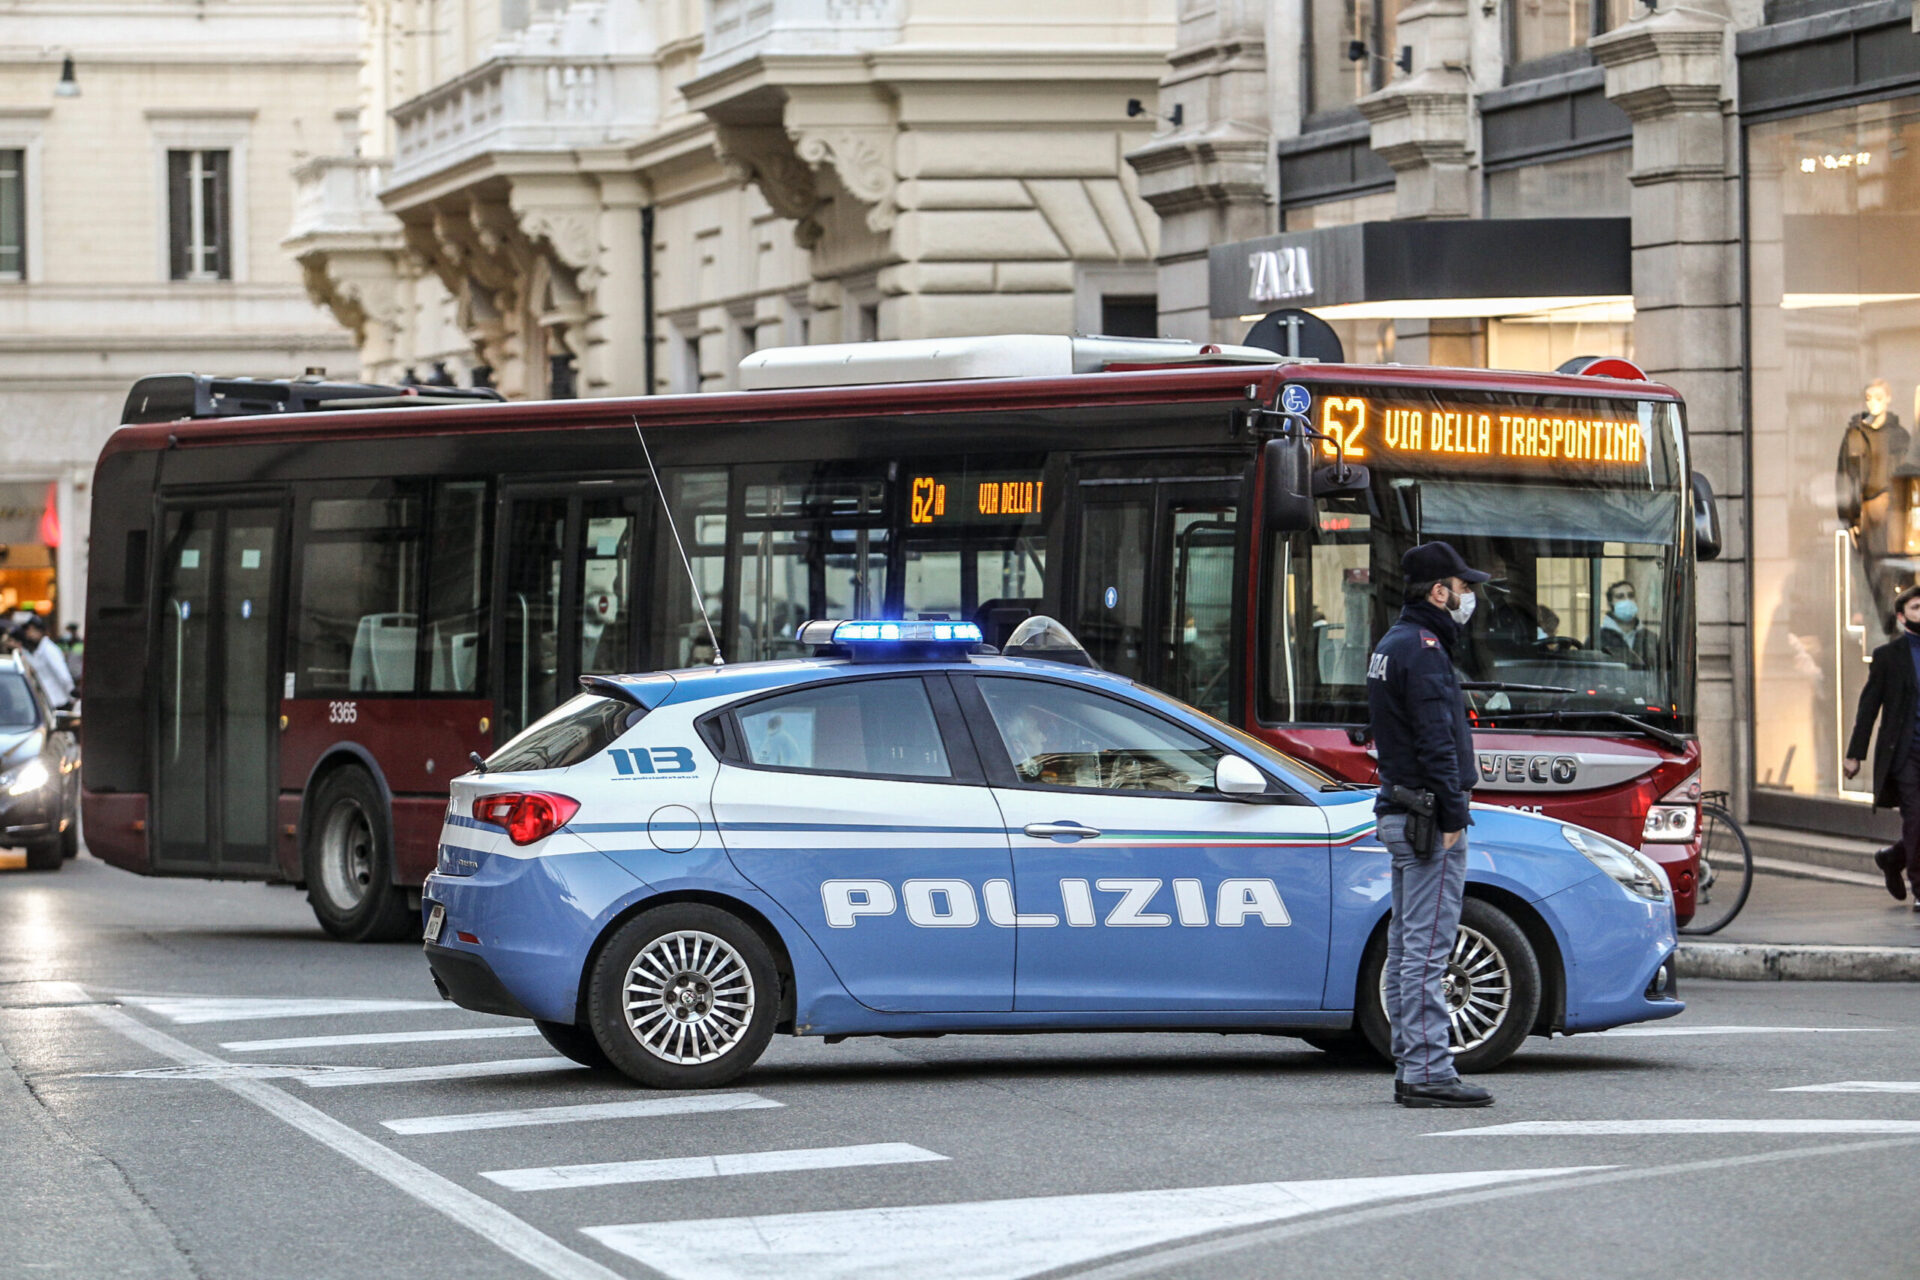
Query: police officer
[1419, 725]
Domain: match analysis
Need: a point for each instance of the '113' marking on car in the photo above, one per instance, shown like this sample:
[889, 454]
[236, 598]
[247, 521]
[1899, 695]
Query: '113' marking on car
[634, 762]
[952, 904]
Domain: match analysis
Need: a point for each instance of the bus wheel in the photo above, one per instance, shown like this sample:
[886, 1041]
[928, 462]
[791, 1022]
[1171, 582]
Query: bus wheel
[349, 863]
[683, 997]
[1493, 989]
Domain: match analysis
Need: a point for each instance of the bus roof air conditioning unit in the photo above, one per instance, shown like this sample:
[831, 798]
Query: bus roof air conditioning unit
[1010, 355]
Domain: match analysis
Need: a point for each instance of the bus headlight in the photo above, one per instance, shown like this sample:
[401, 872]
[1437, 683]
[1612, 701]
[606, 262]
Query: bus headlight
[1636, 873]
[29, 779]
[1675, 817]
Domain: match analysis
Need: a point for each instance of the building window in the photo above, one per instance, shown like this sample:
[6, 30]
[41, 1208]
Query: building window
[1339, 29]
[1834, 289]
[1542, 28]
[199, 222]
[1126, 315]
[13, 215]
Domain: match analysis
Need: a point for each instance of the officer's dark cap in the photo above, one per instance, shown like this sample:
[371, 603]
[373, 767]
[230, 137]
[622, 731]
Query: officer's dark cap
[1436, 561]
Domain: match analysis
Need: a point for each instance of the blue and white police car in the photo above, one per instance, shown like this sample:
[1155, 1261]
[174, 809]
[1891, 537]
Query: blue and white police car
[909, 834]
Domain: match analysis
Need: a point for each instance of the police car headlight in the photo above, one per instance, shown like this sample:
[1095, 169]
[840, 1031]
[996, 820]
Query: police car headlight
[1635, 872]
[29, 779]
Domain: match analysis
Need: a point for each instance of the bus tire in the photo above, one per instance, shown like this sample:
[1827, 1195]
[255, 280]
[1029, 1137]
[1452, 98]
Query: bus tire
[574, 1042]
[1504, 973]
[348, 862]
[44, 856]
[704, 997]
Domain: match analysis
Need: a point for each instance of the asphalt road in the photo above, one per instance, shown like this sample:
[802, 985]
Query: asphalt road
[147, 1130]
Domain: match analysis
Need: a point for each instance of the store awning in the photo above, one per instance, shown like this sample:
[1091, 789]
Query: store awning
[1482, 267]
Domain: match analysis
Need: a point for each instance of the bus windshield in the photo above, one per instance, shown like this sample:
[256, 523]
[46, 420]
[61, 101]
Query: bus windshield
[1574, 506]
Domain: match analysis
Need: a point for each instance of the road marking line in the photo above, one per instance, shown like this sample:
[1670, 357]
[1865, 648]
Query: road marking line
[1663, 1029]
[190, 1009]
[446, 1071]
[377, 1037]
[1619, 1128]
[474, 1212]
[1857, 1086]
[644, 1107]
[1000, 1239]
[554, 1177]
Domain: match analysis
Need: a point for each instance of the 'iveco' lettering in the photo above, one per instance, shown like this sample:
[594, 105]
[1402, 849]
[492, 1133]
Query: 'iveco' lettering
[954, 904]
[1520, 770]
[636, 762]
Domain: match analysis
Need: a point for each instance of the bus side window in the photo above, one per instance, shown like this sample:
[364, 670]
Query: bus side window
[456, 587]
[359, 596]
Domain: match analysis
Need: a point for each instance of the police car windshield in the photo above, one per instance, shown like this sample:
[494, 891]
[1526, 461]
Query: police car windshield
[574, 731]
[1250, 746]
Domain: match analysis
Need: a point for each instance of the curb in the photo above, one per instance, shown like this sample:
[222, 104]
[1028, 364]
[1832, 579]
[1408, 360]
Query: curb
[1787, 962]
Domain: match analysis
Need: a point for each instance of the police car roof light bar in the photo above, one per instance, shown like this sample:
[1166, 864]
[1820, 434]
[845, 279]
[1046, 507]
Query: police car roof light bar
[882, 640]
[698, 599]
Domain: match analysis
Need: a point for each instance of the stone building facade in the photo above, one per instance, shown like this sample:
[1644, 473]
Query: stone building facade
[1761, 161]
[143, 193]
[610, 197]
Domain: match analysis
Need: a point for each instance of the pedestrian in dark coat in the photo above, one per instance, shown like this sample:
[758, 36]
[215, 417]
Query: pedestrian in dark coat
[1892, 697]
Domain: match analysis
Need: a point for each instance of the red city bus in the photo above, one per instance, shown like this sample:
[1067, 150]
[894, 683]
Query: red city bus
[301, 624]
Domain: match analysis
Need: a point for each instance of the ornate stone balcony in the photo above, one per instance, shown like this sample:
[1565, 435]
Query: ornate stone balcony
[738, 30]
[339, 196]
[524, 102]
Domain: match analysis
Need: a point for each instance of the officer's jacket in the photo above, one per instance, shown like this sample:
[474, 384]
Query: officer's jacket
[1419, 717]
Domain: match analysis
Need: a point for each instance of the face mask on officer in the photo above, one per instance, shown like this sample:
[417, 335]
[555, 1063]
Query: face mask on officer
[1460, 607]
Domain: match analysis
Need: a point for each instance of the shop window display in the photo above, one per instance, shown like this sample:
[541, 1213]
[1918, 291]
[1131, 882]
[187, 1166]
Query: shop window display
[1834, 226]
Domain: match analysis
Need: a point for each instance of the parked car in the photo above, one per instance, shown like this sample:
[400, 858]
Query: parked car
[39, 769]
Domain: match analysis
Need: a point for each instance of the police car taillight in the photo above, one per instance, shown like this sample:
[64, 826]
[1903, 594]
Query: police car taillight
[527, 816]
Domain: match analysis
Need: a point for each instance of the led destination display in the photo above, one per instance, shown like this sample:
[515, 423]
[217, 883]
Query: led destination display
[1527, 435]
[937, 500]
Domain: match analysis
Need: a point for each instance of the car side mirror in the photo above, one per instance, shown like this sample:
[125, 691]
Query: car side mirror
[1236, 776]
[1706, 519]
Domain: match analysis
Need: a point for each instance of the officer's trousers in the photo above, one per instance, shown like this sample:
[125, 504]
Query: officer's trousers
[1427, 893]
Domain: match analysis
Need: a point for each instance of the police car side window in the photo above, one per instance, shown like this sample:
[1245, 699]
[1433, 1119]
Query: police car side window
[881, 727]
[1060, 736]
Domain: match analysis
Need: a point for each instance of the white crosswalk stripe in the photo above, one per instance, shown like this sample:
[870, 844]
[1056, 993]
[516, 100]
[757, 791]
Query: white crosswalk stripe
[378, 1037]
[1857, 1086]
[640, 1108]
[449, 1071]
[1649, 1030]
[191, 1009]
[1696, 1127]
[555, 1177]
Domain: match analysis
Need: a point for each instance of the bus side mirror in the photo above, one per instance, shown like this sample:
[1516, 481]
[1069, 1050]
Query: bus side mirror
[1706, 519]
[1286, 493]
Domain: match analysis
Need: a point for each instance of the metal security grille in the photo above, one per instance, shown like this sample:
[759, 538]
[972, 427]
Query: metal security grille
[198, 215]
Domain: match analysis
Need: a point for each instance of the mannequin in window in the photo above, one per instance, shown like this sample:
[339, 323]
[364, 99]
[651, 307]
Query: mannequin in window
[1872, 447]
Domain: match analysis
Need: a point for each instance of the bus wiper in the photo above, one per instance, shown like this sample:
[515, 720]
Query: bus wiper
[1501, 686]
[1664, 737]
[1346, 786]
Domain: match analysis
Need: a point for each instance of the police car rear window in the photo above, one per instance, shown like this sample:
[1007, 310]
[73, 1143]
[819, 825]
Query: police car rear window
[574, 731]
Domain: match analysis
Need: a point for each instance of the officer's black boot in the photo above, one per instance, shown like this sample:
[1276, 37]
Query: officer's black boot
[1892, 862]
[1449, 1093]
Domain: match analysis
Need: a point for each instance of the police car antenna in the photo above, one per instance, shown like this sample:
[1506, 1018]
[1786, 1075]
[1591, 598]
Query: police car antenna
[699, 600]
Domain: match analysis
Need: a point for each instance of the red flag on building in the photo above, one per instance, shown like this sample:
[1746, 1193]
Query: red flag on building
[50, 518]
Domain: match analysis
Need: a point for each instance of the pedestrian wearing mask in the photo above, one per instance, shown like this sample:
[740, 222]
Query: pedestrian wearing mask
[1419, 723]
[1892, 696]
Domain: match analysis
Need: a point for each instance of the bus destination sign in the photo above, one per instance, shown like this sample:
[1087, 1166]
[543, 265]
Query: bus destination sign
[933, 500]
[1369, 427]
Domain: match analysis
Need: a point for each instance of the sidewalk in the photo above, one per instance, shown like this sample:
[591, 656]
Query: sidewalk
[1840, 927]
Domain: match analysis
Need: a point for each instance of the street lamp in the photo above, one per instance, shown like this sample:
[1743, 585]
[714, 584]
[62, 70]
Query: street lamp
[69, 86]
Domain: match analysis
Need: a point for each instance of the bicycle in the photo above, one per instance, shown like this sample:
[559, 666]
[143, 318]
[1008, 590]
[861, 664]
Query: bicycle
[1725, 877]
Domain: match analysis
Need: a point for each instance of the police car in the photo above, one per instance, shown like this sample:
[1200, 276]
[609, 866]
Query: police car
[909, 834]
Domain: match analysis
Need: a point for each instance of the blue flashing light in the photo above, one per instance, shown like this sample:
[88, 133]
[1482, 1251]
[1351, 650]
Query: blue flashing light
[872, 635]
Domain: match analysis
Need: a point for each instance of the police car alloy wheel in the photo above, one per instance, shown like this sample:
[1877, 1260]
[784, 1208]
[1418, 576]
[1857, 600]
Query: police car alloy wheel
[683, 997]
[1492, 986]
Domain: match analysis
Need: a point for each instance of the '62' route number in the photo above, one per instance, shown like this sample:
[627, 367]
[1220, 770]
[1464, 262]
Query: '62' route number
[343, 713]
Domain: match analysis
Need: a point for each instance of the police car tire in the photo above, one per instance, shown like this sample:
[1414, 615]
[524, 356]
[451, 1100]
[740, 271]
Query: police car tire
[382, 915]
[1523, 969]
[574, 1042]
[605, 989]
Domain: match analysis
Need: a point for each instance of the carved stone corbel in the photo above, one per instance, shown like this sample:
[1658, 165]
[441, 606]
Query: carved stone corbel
[863, 158]
[762, 155]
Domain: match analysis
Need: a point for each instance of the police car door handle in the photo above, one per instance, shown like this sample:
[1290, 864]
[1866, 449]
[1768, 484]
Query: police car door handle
[1047, 830]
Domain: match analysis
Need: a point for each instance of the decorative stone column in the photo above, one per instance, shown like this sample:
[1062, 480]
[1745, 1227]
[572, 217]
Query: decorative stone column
[1669, 71]
[1420, 127]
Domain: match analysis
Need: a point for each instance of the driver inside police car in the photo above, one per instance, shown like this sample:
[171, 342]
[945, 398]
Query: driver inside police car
[1418, 719]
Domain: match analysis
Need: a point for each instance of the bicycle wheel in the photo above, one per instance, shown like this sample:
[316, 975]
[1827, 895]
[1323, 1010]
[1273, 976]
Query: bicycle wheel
[1726, 872]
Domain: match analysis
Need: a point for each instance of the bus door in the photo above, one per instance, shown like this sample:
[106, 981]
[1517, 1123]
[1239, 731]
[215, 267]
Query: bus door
[567, 607]
[217, 754]
[1154, 595]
